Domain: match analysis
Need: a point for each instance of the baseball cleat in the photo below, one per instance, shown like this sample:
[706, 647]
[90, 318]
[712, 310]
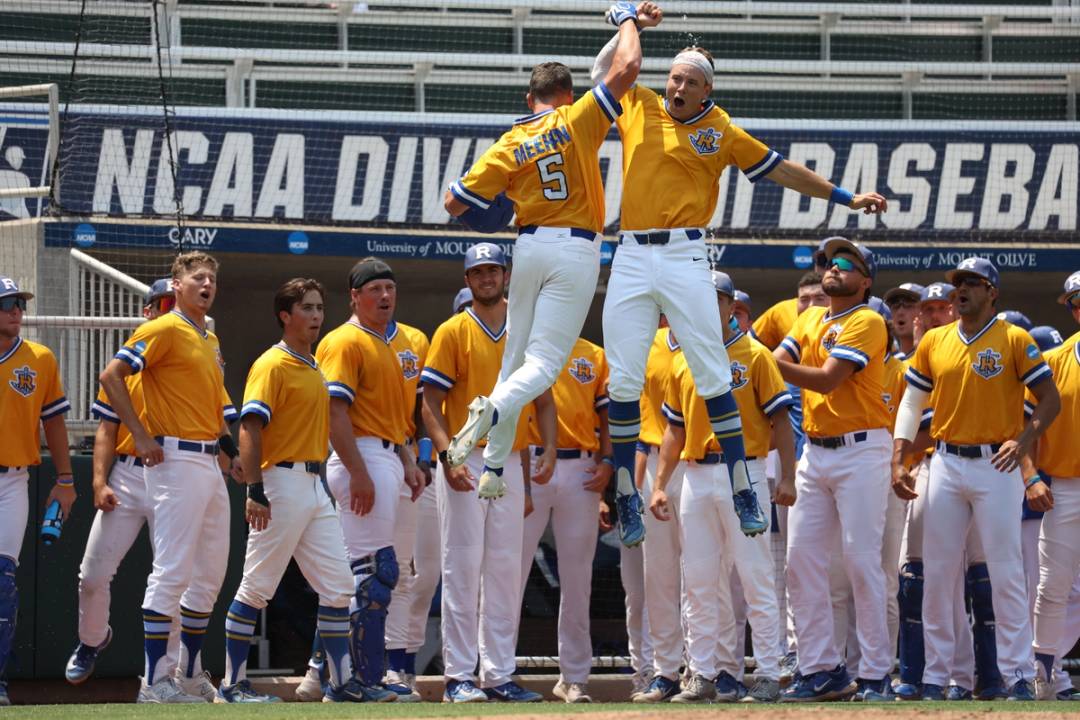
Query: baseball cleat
[765, 690]
[933, 693]
[728, 689]
[405, 694]
[789, 665]
[639, 681]
[821, 686]
[199, 685]
[510, 691]
[356, 691]
[572, 693]
[463, 691]
[1021, 691]
[491, 485]
[81, 664]
[873, 690]
[4, 699]
[404, 684]
[310, 688]
[242, 692]
[481, 418]
[907, 691]
[1068, 695]
[957, 693]
[630, 509]
[752, 520]
[166, 692]
[700, 689]
[661, 689]
[995, 691]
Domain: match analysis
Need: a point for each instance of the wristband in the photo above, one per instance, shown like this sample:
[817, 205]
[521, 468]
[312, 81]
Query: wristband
[228, 446]
[442, 457]
[609, 459]
[1032, 480]
[840, 196]
[255, 492]
[65, 480]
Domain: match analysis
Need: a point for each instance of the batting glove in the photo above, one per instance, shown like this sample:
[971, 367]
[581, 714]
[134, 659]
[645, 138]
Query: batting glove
[620, 12]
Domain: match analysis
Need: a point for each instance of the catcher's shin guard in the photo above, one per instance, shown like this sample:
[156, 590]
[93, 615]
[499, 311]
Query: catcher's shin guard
[980, 602]
[912, 652]
[375, 576]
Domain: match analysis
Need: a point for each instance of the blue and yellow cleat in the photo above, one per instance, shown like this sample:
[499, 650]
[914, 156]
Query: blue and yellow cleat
[242, 692]
[81, 664]
[463, 691]
[752, 520]
[821, 686]
[356, 691]
[510, 691]
[933, 693]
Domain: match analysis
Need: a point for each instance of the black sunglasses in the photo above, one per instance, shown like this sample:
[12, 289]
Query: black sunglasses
[10, 303]
[972, 282]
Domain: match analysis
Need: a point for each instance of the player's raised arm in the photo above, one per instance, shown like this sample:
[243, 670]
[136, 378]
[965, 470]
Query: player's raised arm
[649, 14]
[804, 180]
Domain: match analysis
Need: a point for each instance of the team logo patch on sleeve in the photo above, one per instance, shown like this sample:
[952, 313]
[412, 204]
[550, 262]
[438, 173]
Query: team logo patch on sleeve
[1032, 351]
[410, 364]
[987, 364]
[739, 375]
[706, 141]
[24, 381]
[582, 370]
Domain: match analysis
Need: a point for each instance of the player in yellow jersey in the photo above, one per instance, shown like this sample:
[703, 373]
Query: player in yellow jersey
[1059, 544]
[32, 397]
[974, 372]
[675, 148]
[548, 164]
[179, 442]
[837, 356]
[569, 500]
[284, 436]
[369, 464]
[711, 543]
[481, 541]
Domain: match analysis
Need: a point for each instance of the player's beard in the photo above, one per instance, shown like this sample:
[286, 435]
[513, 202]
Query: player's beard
[839, 289]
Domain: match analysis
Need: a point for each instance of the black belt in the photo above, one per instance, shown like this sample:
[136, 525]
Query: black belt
[971, 452]
[661, 237]
[135, 459]
[16, 468]
[574, 232]
[388, 445]
[565, 453]
[709, 459]
[310, 466]
[836, 441]
[208, 448]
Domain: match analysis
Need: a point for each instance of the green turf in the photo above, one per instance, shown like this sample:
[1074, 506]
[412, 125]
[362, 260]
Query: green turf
[297, 711]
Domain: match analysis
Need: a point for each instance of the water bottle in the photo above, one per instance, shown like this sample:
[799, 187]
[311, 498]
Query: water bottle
[52, 524]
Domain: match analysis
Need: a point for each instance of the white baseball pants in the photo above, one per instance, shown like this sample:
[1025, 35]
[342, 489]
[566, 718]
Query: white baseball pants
[842, 491]
[1029, 545]
[778, 535]
[481, 561]
[554, 281]
[664, 592]
[964, 492]
[364, 534]
[673, 279]
[632, 574]
[111, 536]
[572, 511]
[1059, 563]
[406, 624]
[14, 508]
[397, 618]
[303, 525]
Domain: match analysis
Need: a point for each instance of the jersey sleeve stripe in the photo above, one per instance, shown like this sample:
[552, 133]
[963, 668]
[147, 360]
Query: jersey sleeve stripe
[607, 102]
[256, 407]
[764, 166]
[102, 411]
[341, 391]
[601, 402]
[56, 407]
[792, 347]
[230, 414]
[434, 377]
[673, 416]
[781, 399]
[914, 377]
[132, 358]
[843, 352]
[1037, 373]
[469, 198]
[1029, 409]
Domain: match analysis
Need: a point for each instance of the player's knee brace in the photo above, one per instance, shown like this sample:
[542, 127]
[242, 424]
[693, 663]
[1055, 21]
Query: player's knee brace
[377, 576]
[9, 608]
[980, 600]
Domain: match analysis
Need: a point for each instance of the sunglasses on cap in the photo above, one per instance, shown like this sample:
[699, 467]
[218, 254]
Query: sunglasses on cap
[845, 265]
[164, 304]
[10, 303]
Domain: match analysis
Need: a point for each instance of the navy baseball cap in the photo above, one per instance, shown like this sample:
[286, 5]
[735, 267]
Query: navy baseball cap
[939, 291]
[911, 291]
[9, 287]
[723, 284]
[1046, 337]
[1016, 318]
[975, 267]
[160, 288]
[484, 253]
[743, 298]
[462, 299]
[1072, 286]
[837, 244]
[878, 305]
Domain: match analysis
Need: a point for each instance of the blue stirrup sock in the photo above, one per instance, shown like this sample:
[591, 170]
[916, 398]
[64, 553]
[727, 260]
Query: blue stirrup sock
[333, 631]
[624, 425]
[727, 427]
[156, 628]
[239, 628]
[193, 626]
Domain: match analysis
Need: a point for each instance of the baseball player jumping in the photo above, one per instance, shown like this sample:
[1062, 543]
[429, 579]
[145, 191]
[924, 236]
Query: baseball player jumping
[548, 165]
[674, 151]
[32, 397]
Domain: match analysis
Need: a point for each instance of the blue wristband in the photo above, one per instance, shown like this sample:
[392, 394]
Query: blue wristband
[1032, 480]
[840, 196]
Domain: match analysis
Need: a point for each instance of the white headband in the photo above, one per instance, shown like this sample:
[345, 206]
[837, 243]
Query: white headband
[692, 57]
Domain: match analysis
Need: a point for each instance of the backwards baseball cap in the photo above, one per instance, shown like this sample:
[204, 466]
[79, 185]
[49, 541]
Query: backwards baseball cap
[1072, 286]
[9, 287]
[878, 305]
[484, 253]
[367, 270]
[839, 244]
[160, 288]
[936, 292]
[1046, 337]
[974, 267]
[462, 299]
[1016, 318]
[910, 291]
[723, 284]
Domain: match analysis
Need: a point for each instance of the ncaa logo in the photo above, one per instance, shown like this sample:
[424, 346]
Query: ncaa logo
[85, 235]
[24, 381]
[581, 370]
[802, 257]
[410, 364]
[987, 364]
[298, 242]
[706, 141]
[739, 375]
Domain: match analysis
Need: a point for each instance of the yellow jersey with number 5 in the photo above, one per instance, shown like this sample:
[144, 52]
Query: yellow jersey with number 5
[548, 165]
